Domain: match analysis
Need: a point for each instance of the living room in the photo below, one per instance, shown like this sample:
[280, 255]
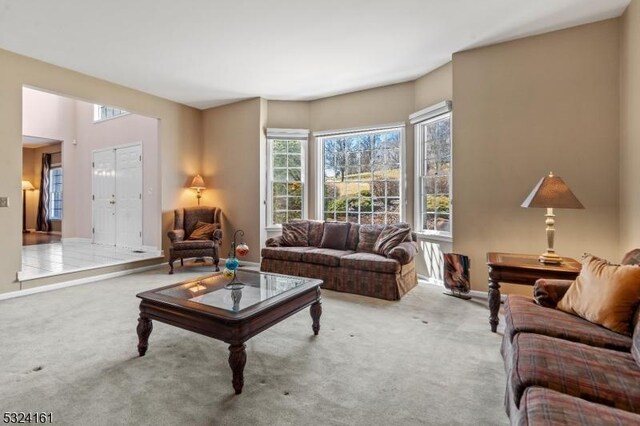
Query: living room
[553, 95]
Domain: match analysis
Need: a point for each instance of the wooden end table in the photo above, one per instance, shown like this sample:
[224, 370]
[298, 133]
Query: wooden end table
[522, 269]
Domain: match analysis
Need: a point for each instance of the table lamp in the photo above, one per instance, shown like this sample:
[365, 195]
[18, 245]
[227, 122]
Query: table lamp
[198, 184]
[551, 192]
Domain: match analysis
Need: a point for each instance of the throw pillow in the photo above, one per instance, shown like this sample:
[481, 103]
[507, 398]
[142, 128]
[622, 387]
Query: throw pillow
[367, 237]
[295, 234]
[203, 231]
[335, 235]
[604, 294]
[390, 237]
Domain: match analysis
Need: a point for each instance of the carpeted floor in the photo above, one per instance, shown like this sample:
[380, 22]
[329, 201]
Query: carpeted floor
[428, 359]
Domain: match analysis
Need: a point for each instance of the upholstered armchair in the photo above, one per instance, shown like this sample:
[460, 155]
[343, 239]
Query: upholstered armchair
[196, 233]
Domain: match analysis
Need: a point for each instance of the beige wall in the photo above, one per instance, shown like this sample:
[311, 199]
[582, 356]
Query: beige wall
[522, 109]
[630, 128]
[434, 87]
[180, 142]
[232, 171]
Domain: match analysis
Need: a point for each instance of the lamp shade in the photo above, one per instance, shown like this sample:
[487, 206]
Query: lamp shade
[197, 182]
[552, 192]
[27, 186]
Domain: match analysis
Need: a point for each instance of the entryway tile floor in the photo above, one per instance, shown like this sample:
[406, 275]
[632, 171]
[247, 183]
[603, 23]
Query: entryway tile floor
[63, 257]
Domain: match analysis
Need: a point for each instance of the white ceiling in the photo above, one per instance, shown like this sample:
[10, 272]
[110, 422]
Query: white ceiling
[205, 53]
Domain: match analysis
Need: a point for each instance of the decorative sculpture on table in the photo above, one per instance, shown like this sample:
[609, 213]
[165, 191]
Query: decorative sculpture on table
[232, 263]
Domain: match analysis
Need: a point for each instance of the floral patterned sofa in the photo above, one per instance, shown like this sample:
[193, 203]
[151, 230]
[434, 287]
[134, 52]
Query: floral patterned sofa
[355, 267]
[562, 369]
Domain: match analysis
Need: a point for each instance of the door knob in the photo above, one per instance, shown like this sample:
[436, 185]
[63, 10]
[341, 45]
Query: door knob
[112, 202]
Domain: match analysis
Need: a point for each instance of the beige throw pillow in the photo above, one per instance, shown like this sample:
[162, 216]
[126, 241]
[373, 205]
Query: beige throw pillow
[389, 238]
[604, 294]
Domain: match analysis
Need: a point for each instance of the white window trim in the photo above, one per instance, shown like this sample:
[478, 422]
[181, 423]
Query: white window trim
[301, 135]
[419, 118]
[57, 166]
[96, 108]
[401, 126]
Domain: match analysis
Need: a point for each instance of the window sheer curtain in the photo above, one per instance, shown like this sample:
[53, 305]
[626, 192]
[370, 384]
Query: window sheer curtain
[44, 222]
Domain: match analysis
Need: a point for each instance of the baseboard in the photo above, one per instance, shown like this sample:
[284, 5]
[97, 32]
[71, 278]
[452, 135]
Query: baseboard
[79, 281]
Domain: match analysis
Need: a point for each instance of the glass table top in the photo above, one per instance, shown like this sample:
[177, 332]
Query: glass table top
[257, 287]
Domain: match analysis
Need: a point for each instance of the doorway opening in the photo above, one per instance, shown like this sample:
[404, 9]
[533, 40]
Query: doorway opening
[70, 224]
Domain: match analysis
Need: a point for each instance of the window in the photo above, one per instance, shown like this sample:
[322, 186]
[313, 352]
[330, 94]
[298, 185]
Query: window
[433, 169]
[105, 112]
[55, 193]
[286, 175]
[362, 175]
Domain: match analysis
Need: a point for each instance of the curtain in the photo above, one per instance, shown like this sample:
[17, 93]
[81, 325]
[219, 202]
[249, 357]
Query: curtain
[44, 223]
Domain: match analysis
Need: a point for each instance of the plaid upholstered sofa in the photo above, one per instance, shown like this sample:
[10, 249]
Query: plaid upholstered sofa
[356, 269]
[562, 369]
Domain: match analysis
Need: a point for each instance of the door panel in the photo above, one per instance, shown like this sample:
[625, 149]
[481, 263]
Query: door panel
[104, 219]
[128, 182]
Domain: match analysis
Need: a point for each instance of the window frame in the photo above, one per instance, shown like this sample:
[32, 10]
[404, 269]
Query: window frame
[320, 135]
[419, 120]
[98, 116]
[301, 135]
[53, 168]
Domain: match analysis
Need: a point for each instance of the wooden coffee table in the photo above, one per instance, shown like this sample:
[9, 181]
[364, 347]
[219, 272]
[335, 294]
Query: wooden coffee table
[235, 315]
[522, 269]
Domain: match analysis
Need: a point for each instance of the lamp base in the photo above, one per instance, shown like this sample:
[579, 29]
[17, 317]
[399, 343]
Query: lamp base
[550, 258]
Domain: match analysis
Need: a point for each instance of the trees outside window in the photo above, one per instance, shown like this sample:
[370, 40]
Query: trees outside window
[361, 174]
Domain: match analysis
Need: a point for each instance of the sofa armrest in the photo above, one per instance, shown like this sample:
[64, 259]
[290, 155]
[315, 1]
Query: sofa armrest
[548, 293]
[176, 235]
[274, 242]
[404, 252]
[217, 235]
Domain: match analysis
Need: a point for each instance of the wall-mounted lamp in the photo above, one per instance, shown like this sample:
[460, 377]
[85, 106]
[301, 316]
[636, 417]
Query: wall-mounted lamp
[551, 192]
[198, 184]
[26, 186]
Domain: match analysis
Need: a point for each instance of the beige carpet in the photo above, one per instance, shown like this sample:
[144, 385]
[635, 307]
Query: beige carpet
[428, 359]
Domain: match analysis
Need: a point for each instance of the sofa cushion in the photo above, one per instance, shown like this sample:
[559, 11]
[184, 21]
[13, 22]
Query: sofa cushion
[295, 234]
[595, 374]
[324, 256]
[352, 238]
[522, 314]
[367, 237]
[316, 228]
[292, 254]
[370, 262]
[389, 238]
[335, 235]
[193, 244]
[605, 294]
[540, 406]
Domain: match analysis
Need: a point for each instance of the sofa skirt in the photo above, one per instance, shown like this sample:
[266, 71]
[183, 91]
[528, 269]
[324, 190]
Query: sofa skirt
[367, 283]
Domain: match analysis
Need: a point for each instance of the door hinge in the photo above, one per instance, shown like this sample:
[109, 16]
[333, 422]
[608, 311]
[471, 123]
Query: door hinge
[93, 164]
[141, 195]
[93, 230]
[93, 197]
[141, 233]
[141, 158]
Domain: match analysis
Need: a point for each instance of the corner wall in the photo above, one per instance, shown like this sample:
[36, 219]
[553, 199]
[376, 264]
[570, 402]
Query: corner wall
[630, 128]
[180, 135]
[522, 109]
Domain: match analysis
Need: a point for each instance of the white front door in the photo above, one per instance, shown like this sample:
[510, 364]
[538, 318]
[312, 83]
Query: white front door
[104, 197]
[117, 197]
[129, 197]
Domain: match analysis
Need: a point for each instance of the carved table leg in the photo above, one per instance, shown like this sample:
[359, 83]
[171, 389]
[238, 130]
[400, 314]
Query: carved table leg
[144, 330]
[494, 304]
[316, 311]
[237, 360]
